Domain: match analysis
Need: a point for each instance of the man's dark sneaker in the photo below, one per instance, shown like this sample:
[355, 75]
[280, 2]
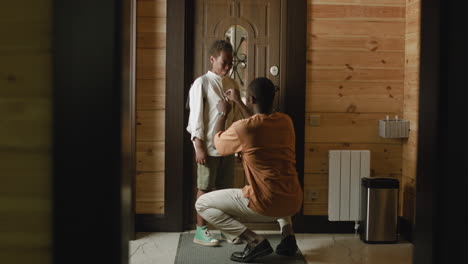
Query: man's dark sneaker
[287, 247]
[252, 252]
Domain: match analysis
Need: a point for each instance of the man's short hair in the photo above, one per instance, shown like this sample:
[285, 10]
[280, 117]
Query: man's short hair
[263, 90]
[218, 46]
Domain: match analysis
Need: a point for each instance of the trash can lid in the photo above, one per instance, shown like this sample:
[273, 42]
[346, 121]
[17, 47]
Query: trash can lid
[384, 183]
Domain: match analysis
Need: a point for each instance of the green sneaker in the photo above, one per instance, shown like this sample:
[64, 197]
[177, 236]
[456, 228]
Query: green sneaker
[204, 237]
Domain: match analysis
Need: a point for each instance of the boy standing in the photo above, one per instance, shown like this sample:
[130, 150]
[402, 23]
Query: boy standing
[213, 171]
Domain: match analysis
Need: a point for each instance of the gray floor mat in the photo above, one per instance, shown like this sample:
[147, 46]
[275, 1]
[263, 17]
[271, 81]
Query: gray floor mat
[192, 253]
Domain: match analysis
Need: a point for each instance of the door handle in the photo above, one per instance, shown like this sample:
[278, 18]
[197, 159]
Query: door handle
[274, 70]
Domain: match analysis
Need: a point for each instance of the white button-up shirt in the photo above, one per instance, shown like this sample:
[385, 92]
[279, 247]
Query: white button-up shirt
[203, 98]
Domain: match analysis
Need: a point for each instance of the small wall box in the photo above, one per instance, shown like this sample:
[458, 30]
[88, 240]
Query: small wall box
[394, 128]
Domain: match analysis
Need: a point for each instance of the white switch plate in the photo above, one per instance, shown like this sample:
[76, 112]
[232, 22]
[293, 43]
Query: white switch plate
[311, 195]
[314, 120]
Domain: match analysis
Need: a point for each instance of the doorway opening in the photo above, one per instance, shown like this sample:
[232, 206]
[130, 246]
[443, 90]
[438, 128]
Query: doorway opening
[256, 33]
[174, 154]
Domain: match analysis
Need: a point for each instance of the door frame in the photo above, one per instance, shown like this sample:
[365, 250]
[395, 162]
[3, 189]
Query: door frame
[439, 231]
[177, 176]
[92, 156]
[178, 148]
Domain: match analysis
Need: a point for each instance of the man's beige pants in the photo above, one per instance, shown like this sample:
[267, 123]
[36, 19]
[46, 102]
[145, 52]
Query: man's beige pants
[226, 209]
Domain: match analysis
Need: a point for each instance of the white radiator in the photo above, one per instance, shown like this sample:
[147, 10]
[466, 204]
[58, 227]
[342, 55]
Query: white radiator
[346, 168]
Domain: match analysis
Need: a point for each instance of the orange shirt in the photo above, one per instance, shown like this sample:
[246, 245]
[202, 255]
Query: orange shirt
[267, 144]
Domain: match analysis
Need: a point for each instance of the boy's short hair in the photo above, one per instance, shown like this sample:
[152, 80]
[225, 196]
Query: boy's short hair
[218, 46]
[263, 90]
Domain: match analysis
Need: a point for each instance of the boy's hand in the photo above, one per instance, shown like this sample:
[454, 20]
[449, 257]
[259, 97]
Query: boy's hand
[224, 106]
[200, 156]
[233, 95]
[200, 153]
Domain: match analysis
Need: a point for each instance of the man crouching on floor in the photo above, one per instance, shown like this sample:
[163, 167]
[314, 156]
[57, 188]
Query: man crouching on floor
[266, 142]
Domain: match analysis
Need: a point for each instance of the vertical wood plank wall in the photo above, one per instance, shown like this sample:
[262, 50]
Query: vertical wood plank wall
[410, 108]
[25, 131]
[355, 76]
[150, 105]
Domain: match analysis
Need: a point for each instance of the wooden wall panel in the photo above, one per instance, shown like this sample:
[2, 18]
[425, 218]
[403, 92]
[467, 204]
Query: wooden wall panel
[411, 109]
[151, 63]
[355, 76]
[316, 204]
[150, 94]
[358, 12]
[151, 8]
[150, 156]
[360, 2]
[156, 207]
[150, 125]
[18, 117]
[151, 32]
[26, 255]
[357, 28]
[13, 71]
[342, 73]
[26, 131]
[361, 97]
[346, 127]
[150, 105]
[413, 16]
[356, 59]
[412, 50]
[150, 192]
[409, 157]
[355, 43]
[313, 208]
[385, 158]
[149, 187]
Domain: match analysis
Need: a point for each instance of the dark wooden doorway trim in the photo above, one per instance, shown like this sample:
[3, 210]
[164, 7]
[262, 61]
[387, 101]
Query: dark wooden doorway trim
[440, 231]
[177, 150]
[428, 167]
[92, 155]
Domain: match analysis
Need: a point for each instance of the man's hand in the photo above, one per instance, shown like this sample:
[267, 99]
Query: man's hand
[233, 95]
[200, 153]
[224, 106]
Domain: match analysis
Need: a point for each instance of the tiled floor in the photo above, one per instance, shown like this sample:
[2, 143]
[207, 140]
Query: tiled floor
[161, 248]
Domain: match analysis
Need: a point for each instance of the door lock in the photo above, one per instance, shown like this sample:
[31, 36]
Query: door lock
[274, 70]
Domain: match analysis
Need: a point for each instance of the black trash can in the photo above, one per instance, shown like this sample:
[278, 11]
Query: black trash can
[379, 210]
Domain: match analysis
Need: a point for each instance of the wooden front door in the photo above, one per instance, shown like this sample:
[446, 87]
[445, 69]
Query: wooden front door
[256, 31]
[254, 28]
